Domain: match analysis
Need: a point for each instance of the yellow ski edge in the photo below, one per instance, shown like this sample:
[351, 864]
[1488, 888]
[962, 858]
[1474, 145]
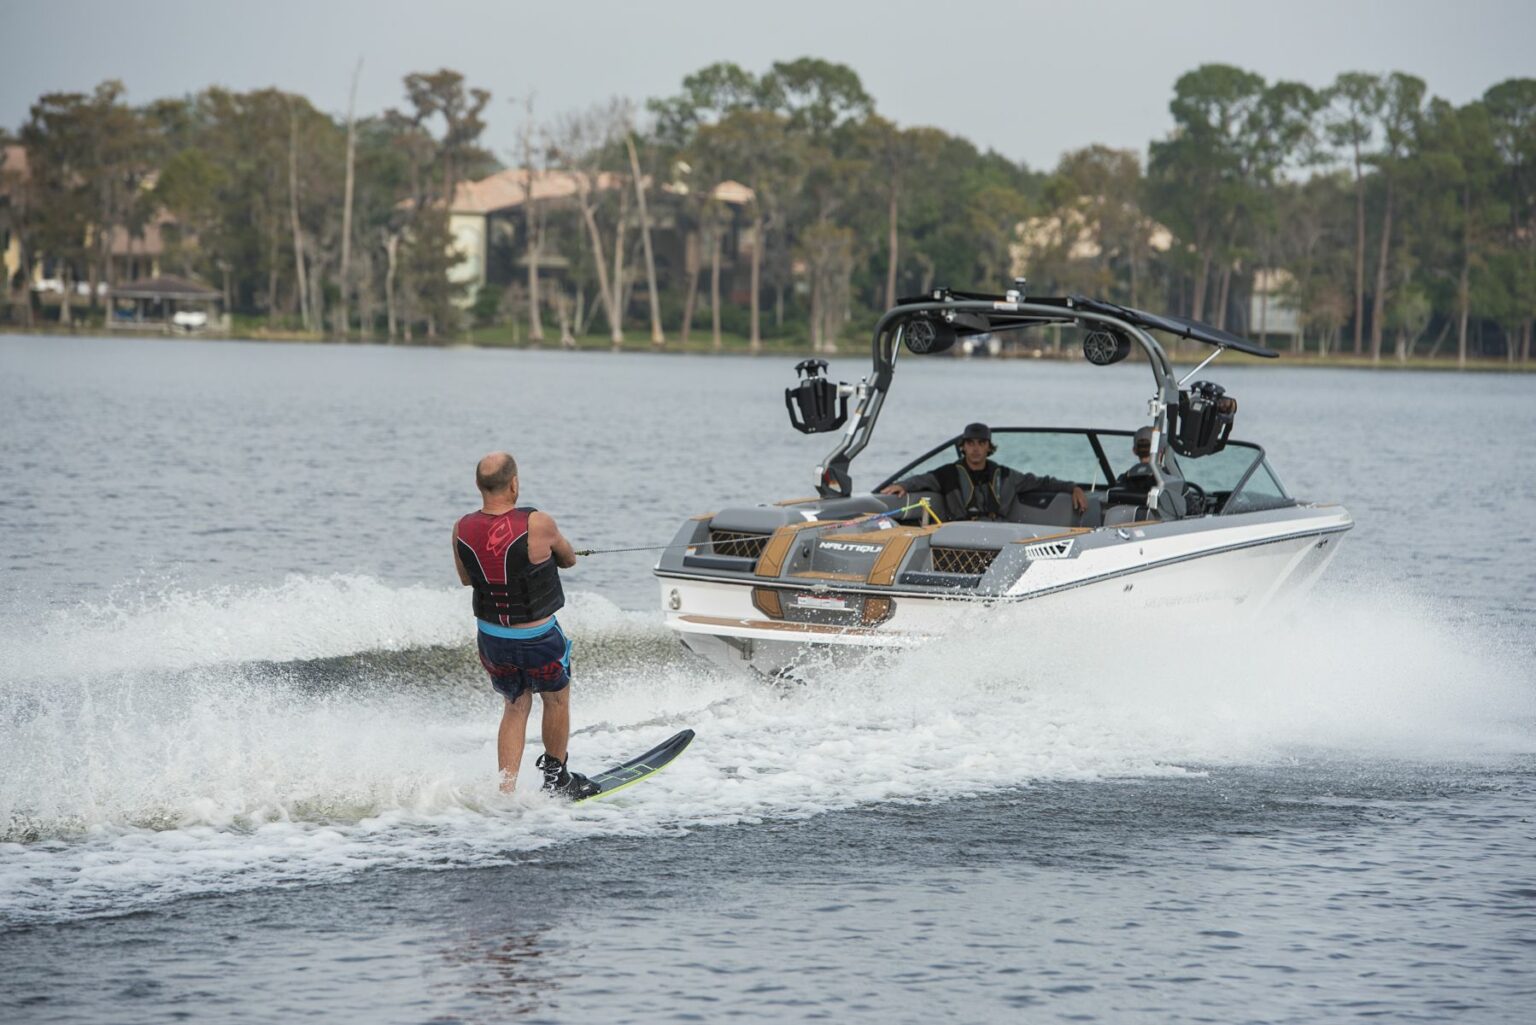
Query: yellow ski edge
[637, 779]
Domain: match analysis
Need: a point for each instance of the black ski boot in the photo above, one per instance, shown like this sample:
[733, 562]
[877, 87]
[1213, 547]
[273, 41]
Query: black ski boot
[562, 782]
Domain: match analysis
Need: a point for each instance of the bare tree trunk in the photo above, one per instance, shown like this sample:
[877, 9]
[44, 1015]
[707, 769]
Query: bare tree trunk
[1197, 304]
[344, 313]
[691, 268]
[1445, 331]
[584, 323]
[1222, 296]
[892, 212]
[272, 278]
[1359, 255]
[620, 301]
[317, 292]
[1463, 296]
[563, 316]
[657, 338]
[391, 253]
[929, 270]
[1135, 265]
[627, 295]
[300, 280]
[714, 285]
[616, 334]
[1379, 300]
[533, 222]
[755, 339]
[67, 279]
[25, 252]
[1264, 295]
[365, 295]
[815, 311]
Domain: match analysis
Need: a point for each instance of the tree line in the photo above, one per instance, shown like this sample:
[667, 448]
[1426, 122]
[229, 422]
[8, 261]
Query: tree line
[1390, 222]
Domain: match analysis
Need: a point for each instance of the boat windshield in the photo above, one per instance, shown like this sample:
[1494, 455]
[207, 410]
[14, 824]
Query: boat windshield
[1083, 456]
[1238, 477]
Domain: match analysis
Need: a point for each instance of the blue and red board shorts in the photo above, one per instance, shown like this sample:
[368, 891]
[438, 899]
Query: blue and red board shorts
[535, 658]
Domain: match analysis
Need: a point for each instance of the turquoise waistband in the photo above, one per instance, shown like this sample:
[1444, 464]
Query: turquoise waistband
[518, 633]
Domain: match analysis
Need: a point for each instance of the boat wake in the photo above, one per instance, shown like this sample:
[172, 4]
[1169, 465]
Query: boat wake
[206, 743]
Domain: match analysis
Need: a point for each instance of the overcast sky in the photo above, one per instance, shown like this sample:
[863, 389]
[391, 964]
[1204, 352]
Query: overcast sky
[1026, 78]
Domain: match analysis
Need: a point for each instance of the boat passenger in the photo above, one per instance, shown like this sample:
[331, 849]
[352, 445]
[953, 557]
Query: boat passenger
[975, 488]
[512, 557]
[1139, 474]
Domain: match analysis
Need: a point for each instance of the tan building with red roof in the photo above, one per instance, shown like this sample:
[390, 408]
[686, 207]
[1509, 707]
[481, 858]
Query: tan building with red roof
[492, 212]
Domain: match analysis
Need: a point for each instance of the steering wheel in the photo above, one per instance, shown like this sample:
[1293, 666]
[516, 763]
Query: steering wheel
[1205, 500]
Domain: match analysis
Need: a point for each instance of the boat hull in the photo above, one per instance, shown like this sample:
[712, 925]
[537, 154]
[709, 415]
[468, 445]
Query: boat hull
[1160, 580]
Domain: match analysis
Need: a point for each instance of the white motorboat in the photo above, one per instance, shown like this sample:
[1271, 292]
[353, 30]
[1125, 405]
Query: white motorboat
[1205, 522]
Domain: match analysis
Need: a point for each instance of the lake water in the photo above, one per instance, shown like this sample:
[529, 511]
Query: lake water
[247, 752]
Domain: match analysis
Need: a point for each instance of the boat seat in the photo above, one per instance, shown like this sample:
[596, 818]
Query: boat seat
[1116, 515]
[1048, 509]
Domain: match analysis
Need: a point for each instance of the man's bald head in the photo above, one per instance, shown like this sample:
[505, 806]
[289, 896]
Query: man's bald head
[495, 472]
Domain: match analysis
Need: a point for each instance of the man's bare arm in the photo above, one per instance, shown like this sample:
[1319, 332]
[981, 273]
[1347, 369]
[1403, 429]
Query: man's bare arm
[458, 563]
[545, 532]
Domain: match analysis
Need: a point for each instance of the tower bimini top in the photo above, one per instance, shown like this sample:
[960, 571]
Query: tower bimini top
[1196, 419]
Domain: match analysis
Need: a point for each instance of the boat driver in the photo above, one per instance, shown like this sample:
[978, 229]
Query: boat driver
[1141, 445]
[975, 488]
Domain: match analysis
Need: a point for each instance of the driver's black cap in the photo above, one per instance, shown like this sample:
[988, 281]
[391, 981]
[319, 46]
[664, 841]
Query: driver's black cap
[981, 431]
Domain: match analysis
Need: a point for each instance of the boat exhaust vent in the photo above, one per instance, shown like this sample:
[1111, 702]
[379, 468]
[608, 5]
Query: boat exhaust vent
[736, 544]
[968, 561]
[1049, 550]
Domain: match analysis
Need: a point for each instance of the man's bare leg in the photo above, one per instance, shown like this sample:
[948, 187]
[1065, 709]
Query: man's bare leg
[557, 722]
[509, 739]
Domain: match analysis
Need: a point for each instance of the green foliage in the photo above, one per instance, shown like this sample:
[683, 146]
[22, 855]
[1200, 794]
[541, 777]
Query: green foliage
[1368, 204]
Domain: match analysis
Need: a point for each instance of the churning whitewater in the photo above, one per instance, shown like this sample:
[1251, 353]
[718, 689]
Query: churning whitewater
[239, 739]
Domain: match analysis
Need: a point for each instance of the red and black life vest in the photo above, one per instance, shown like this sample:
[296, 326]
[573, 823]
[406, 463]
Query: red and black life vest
[508, 588]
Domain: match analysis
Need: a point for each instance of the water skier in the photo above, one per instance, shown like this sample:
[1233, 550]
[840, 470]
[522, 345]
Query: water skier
[512, 557]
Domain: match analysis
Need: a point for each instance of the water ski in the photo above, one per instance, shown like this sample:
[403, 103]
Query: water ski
[639, 767]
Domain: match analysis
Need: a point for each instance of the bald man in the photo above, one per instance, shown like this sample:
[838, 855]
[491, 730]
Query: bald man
[512, 557]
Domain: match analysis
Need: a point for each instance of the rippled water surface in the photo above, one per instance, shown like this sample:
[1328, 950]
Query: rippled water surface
[246, 751]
